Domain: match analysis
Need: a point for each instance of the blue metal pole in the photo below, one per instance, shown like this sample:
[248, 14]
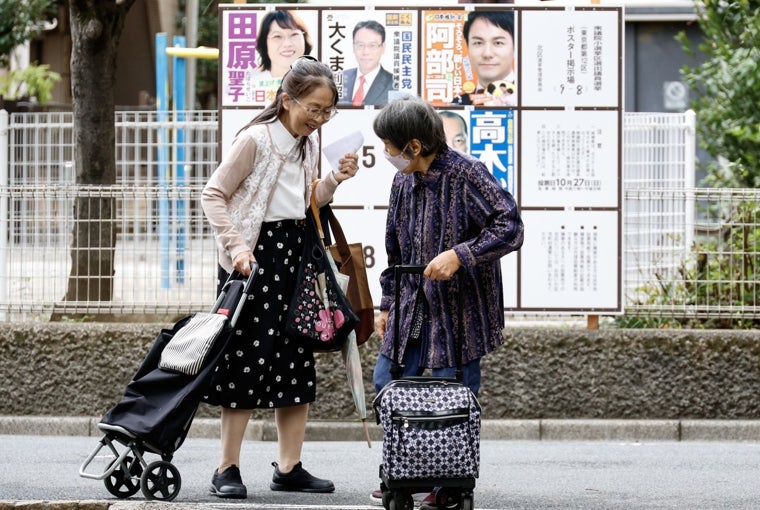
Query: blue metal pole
[162, 101]
[180, 207]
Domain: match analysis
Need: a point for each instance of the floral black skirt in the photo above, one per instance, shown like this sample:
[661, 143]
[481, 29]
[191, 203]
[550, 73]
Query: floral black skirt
[264, 368]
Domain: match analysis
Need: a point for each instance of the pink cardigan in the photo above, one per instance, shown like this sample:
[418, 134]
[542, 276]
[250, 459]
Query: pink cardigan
[236, 197]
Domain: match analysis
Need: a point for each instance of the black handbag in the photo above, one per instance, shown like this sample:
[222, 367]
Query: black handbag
[319, 311]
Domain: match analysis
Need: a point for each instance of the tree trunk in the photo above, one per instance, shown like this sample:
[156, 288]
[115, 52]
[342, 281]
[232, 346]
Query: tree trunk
[96, 26]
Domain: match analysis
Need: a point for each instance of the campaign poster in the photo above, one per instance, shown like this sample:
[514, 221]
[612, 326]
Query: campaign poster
[446, 69]
[556, 149]
[493, 142]
[257, 48]
[489, 135]
[373, 54]
[457, 128]
[469, 57]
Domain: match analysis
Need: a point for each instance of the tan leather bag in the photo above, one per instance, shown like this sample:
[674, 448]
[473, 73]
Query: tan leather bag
[350, 261]
[349, 257]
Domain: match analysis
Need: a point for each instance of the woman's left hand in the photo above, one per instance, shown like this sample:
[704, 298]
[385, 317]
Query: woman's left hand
[348, 165]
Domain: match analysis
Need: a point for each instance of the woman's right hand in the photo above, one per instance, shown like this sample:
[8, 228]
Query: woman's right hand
[348, 166]
[242, 262]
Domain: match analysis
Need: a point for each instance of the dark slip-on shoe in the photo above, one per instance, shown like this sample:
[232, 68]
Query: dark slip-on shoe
[228, 484]
[298, 480]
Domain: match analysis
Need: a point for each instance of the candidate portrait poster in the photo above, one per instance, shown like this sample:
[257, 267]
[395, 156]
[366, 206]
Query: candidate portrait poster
[380, 44]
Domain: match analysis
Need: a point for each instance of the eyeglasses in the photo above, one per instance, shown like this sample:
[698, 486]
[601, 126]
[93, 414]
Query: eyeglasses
[367, 46]
[279, 38]
[315, 113]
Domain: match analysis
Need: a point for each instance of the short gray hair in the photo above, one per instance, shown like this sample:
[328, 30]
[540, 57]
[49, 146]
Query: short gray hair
[409, 118]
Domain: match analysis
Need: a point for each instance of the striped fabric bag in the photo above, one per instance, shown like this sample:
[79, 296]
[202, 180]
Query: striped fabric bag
[187, 350]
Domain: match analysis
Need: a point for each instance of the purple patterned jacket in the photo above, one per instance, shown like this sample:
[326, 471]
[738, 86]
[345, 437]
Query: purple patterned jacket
[456, 205]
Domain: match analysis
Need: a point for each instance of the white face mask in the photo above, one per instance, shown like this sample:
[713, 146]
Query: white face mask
[399, 161]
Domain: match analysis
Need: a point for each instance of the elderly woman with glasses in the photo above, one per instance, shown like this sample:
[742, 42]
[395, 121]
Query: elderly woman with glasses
[256, 202]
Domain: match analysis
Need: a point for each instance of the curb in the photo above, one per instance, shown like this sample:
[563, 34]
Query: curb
[159, 505]
[504, 430]
[142, 505]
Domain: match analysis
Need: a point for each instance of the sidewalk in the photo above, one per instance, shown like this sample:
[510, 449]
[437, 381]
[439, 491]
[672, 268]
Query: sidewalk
[526, 430]
[617, 472]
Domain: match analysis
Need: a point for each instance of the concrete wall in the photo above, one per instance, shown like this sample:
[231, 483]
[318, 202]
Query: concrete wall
[76, 369]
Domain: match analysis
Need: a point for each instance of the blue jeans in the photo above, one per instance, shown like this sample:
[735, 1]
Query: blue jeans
[382, 373]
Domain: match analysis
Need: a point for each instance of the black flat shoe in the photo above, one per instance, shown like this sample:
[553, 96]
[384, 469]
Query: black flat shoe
[228, 484]
[298, 480]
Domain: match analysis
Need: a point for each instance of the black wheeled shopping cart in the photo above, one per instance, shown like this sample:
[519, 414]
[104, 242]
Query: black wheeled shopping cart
[159, 403]
[431, 429]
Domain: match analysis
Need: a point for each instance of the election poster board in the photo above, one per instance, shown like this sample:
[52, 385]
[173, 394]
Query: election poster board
[552, 138]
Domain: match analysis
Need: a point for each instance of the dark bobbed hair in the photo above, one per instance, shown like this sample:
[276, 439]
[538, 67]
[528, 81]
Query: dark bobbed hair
[453, 115]
[284, 19]
[409, 118]
[502, 19]
[370, 25]
[305, 75]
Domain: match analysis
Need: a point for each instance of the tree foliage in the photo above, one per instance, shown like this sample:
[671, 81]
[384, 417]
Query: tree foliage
[723, 272]
[727, 87]
[21, 22]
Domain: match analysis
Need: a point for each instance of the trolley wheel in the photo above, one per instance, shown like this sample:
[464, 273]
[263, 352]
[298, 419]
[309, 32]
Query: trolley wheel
[467, 502]
[400, 500]
[448, 498]
[123, 481]
[160, 481]
[387, 499]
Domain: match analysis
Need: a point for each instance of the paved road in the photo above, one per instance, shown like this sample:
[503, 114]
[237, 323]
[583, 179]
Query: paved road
[514, 474]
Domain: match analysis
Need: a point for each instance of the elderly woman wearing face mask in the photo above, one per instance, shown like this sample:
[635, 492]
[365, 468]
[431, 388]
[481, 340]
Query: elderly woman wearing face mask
[449, 213]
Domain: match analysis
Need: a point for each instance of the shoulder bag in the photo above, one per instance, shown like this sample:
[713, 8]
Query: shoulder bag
[319, 311]
[349, 258]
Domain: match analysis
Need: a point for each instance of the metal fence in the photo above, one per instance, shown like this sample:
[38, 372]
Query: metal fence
[717, 275]
[658, 154]
[688, 252]
[163, 248]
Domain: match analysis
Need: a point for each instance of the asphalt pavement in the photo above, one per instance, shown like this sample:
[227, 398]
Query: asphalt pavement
[42, 471]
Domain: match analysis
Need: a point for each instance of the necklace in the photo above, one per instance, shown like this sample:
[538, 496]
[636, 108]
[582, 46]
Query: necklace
[293, 154]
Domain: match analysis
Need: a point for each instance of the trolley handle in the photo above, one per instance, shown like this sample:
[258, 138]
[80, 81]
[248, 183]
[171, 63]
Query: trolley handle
[396, 366]
[246, 291]
[408, 269]
[236, 276]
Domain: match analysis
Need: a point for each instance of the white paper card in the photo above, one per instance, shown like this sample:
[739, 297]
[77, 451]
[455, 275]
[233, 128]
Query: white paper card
[348, 144]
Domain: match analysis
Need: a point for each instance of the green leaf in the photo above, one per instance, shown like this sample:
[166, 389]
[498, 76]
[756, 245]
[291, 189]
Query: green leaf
[727, 88]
